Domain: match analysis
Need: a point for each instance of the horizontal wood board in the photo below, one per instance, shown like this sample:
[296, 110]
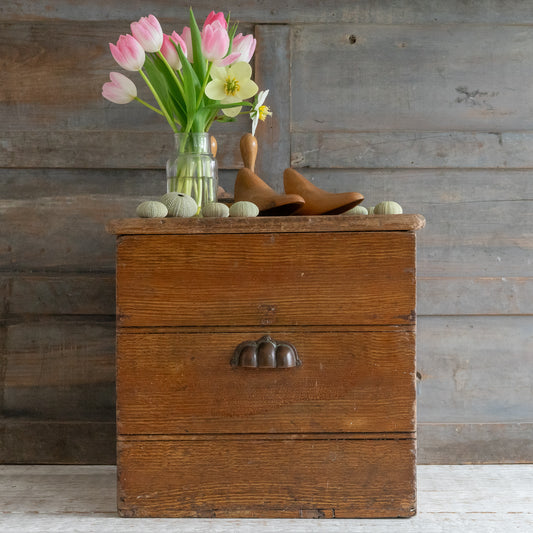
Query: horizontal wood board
[431, 12]
[256, 478]
[280, 279]
[411, 79]
[361, 381]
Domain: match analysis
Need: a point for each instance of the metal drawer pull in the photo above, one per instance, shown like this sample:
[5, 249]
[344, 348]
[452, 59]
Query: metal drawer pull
[265, 353]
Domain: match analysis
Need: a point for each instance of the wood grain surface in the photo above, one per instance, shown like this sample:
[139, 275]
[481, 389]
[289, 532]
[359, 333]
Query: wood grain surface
[266, 279]
[423, 103]
[342, 478]
[433, 12]
[183, 383]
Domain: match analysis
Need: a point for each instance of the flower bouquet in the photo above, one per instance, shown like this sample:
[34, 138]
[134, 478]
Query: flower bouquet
[196, 78]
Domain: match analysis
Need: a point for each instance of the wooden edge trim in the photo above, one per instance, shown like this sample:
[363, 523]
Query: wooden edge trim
[258, 329]
[405, 435]
[295, 224]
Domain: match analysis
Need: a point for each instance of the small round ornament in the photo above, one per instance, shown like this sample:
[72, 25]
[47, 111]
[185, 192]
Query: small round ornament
[357, 210]
[388, 208]
[179, 204]
[215, 210]
[243, 209]
[151, 209]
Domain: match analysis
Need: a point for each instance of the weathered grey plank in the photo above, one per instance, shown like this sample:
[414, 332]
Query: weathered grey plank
[56, 220]
[475, 443]
[61, 233]
[474, 296]
[24, 184]
[26, 441]
[475, 369]
[61, 369]
[412, 149]
[333, 11]
[411, 78]
[273, 73]
[105, 149]
[58, 294]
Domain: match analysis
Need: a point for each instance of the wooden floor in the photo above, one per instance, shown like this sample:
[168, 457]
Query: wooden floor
[465, 499]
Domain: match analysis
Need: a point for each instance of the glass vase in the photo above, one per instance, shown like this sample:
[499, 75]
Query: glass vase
[193, 169]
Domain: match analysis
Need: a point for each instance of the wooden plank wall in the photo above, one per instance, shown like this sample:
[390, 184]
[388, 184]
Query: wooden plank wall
[427, 103]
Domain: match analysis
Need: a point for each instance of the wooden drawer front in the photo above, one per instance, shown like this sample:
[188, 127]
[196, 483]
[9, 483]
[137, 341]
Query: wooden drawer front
[266, 279]
[349, 381]
[299, 478]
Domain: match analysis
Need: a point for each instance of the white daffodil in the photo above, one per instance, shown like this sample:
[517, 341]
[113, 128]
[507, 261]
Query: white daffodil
[230, 85]
[259, 111]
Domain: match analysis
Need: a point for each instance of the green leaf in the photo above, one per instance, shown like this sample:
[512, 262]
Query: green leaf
[175, 92]
[199, 62]
[191, 88]
[158, 82]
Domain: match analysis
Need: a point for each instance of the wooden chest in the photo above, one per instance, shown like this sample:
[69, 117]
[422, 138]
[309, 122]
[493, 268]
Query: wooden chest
[266, 367]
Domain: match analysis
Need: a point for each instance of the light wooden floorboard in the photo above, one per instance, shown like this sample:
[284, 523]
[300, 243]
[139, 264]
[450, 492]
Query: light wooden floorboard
[466, 499]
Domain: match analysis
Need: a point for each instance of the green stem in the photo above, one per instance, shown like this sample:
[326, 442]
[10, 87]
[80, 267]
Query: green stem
[160, 103]
[173, 73]
[149, 106]
[190, 120]
[204, 85]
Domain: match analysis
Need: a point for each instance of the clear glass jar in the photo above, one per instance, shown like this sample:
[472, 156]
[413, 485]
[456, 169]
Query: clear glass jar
[193, 169]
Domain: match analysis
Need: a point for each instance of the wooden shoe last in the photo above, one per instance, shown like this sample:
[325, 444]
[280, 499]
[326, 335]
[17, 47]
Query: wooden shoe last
[250, 187]
[318, 201]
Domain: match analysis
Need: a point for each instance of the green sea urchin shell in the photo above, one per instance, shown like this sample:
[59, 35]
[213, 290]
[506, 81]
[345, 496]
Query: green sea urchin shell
[357, 210]
[151, 209]
[243, 209]
[179, 204]
[388, 208]
[215, 210]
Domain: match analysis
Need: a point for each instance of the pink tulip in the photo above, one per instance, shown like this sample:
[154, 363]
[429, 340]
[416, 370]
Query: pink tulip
[120, 90]
[170, 53]
[216, 16]
[178, 41]
[148, 32]
[128, 53]
[187, 39]
[245, 45]
[215, 41]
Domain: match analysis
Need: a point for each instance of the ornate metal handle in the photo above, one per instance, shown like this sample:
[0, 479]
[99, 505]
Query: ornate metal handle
[265, 353]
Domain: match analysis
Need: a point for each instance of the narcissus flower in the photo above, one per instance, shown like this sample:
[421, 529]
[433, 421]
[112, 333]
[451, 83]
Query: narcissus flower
[259, 111]
[120, 90]
[148, 32]
[230, 85]
[128, 53]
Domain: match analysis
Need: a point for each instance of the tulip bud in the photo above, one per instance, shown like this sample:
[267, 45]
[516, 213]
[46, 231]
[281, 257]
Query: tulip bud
[148, 32]
[128, 53]
[187, 39]
[216, 16]
[245, 45]
[120, 90]
[215, 41]
[170, 53]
